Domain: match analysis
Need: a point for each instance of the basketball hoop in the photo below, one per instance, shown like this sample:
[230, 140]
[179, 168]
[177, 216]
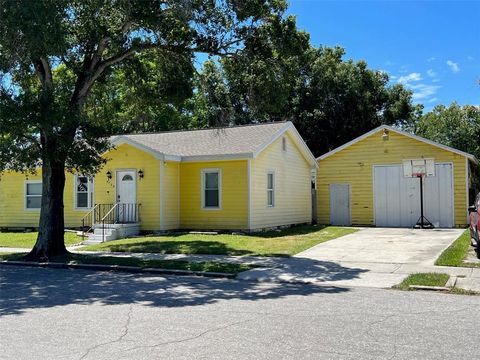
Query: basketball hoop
[420, 168]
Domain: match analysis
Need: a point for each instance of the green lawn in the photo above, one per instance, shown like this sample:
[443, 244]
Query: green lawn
[423, 279]
[27, 239]
[273, 243]
[210, 266]
[455, 253]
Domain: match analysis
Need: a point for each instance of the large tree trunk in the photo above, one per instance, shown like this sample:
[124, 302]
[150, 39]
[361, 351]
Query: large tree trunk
[50, 240]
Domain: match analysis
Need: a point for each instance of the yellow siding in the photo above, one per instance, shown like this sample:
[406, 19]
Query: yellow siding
[12, 202]
[126, 157]
[171, 196]
[354, 165]
[234, 196]
[292, 186]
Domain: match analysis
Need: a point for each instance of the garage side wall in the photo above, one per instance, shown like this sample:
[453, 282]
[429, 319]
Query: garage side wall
[354, 165]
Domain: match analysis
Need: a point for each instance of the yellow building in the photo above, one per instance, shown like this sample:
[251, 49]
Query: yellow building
[236, 178]
[368, 182]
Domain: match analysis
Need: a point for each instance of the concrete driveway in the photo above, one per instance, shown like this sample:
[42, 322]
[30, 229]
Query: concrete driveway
[374, 257]
[386, 246]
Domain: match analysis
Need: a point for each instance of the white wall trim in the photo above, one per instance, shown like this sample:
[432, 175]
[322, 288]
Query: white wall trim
[162, 198]
[249, 200]
[467, 188]
[220, 157]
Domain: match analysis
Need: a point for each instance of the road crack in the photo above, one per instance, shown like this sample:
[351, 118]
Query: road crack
[118, 339]
[194, 337]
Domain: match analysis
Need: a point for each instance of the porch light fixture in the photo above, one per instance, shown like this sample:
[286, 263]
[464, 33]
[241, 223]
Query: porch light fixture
[141, 174]
[109, 175]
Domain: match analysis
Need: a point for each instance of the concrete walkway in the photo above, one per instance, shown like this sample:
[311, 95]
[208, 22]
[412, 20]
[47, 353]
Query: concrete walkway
[371, 257]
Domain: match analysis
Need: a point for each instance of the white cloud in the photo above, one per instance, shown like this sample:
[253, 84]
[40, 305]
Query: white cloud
[431, 73]
[433, 99]
[423, 91]
[470, 58]
[410, 78]
[430, 59]
[453, 66]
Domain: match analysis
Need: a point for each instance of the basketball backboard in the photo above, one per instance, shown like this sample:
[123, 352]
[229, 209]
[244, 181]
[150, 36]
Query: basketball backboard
[419, 167]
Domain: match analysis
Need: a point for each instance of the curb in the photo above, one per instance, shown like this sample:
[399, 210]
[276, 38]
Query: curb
[120, 268]
[429, 288]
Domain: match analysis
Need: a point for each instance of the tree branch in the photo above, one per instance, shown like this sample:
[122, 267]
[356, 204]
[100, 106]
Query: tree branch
[44, 72]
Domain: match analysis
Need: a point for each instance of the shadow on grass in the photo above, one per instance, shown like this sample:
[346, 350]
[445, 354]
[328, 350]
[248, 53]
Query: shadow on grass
[179, 247]
[290, 231]
[25, 288]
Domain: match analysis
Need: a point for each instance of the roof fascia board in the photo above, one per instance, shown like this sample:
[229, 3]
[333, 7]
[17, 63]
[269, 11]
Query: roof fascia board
[304, 149]
[241, 156]
[120, 140]
[398, 131]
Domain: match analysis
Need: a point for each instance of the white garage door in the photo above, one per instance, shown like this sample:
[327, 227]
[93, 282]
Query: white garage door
[397, 199]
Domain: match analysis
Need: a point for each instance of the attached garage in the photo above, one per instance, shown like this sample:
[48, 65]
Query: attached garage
[364, 182]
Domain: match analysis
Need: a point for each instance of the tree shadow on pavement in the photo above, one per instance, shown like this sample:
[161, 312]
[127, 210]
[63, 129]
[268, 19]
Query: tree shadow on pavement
[23, 288]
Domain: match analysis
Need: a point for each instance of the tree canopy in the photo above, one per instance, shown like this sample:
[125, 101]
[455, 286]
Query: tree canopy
[454, 125]
[55, 55]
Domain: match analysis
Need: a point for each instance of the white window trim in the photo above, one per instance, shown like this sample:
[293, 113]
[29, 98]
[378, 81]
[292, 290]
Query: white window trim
[209, 171]
[271, 172]
[25, 195]
[91, 198]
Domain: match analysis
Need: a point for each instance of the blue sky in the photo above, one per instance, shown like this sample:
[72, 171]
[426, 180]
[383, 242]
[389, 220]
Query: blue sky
[432, 47]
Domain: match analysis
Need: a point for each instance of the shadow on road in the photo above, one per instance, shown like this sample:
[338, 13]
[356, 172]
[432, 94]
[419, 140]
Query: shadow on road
[23, 288]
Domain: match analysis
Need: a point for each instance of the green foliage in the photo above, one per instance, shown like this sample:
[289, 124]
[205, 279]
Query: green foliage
[75, 71]
[274, 243]
[423, 279]
[72, 72]
[280, 76]
[455, 254]
[27, 239]
[203, 266]
[455, 125]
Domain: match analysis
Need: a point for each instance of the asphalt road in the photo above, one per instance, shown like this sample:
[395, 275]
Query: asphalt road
[76, 314]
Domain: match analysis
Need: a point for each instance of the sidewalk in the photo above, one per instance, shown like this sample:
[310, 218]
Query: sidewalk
[306, 270]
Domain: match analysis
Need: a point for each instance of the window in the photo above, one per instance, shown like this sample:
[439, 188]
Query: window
[127, 178]
[211, 189]
[83, 192]
[284, 144]
[271, 189]
[33, 194]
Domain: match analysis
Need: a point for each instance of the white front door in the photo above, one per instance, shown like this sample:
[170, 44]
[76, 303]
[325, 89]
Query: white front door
[126, 195]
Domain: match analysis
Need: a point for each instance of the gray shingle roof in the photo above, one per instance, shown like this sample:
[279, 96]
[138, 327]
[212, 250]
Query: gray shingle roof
[236, 140]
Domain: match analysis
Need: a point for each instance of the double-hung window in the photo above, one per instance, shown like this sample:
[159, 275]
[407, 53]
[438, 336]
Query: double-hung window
[83, 192]
[271, 189]
[33, 195]
[211, 187]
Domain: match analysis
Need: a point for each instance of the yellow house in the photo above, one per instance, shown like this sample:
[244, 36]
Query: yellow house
[368, 181]
[236, 178]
